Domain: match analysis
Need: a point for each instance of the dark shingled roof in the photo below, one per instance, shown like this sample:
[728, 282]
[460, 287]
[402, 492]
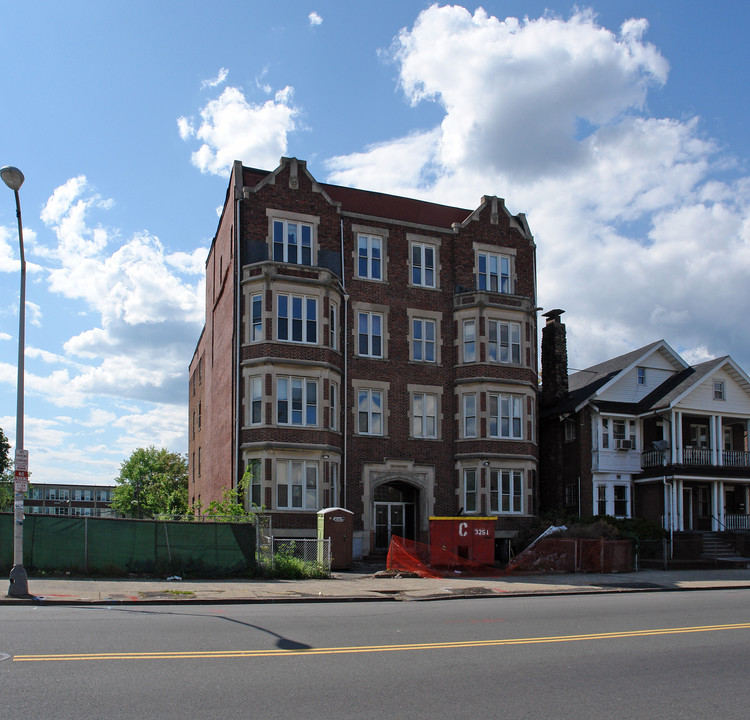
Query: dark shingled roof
[376, 204]
[584, 384]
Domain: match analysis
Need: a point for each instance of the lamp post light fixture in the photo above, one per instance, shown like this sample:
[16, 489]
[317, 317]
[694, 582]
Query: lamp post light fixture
[19, 584]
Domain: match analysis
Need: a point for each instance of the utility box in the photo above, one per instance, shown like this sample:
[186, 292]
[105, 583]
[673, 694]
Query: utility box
[455, 539]
[338, 525]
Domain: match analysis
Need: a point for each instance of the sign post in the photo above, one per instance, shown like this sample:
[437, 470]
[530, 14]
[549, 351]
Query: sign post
[19, 584]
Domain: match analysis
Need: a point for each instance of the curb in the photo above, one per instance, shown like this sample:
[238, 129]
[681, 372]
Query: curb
[401, 596]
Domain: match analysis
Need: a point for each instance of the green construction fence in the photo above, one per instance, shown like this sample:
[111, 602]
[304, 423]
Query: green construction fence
[106, 546]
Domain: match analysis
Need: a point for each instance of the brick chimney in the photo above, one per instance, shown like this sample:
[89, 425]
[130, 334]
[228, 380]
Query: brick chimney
[554, 359]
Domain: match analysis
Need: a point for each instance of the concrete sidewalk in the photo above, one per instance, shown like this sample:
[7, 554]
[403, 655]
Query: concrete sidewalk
[365, 586]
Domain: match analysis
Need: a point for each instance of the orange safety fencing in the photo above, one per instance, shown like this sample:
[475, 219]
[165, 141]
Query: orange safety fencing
[548, 554]
[414, 557]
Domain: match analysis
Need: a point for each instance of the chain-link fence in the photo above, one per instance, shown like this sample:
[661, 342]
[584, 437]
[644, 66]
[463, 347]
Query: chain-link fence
[309, 551]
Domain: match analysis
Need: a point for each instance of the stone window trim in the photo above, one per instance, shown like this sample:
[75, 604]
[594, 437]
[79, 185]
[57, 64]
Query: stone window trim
[507, 491]
[297, 484]
[432, 242]
[384, 388]
[300, 404]
[267, 458]
[510, 253]
[371, 308]
[371, 231]
[484, 470]
[437, 317]
[494, 329]
[470, 487]
[468, 339]
[299, 324]
[437, 391]
[285, 215]
[483, 390]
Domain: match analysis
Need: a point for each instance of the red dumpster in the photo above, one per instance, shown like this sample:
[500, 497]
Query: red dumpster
[453, 539]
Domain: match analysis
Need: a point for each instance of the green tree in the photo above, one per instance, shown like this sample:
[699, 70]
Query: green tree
[6, 473]
[152, 482]
[231, 507]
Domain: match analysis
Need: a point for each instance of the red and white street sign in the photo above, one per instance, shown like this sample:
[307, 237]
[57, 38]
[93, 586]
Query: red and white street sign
[21, 474]
[22, 460]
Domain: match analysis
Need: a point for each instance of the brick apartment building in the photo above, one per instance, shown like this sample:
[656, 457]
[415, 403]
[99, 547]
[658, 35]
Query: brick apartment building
[68, 499]
[366, 351]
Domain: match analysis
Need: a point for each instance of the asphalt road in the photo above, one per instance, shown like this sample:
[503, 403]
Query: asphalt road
[651, 655]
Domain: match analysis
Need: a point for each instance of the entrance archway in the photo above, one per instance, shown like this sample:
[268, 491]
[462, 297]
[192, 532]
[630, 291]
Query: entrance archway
[395, 508]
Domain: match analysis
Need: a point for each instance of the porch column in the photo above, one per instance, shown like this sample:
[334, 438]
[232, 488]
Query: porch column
[679, 521]
[719, 450]
[714, 505]
[677, 437]
[667, 500]
[721, 505]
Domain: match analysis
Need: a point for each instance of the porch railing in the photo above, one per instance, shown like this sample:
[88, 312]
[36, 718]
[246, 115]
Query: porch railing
[735, 521]
[736, 458]
[697, 456]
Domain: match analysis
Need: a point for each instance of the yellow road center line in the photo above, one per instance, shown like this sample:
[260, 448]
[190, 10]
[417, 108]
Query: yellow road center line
[377, 648]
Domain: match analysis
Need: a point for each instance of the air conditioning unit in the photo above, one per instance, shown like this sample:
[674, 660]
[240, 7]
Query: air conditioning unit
[623, 444]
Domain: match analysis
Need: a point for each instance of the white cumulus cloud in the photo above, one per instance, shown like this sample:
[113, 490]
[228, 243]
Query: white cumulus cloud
[233, 128]
[638, 235]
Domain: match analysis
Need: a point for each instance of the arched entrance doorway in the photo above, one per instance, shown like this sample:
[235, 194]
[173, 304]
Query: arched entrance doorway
[395, 507]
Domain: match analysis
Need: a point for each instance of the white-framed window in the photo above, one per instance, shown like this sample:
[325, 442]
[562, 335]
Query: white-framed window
[296, 485]
[297, 318]
[506, 491]
[254, 487]
[423, 340]
[504, 345]
[370, 334]
[424, 408]
[618, 434]
[641, 375]
[369, 257]
[622, 501]
[256, 400]
[506, 416]
[333, 392]
[334, 475]
[601, 500]
[470, 490]
[292, 242]
[612, 499]
[296, 401]
[569, 429]
[83, 495]
[719, 390]
[470, 340]
[333, 319]
[423, 264]
[256, 310]
[56, 494]
[493, 272]
[699, 436]
[370, 412]
[103, 495]
[470, 415]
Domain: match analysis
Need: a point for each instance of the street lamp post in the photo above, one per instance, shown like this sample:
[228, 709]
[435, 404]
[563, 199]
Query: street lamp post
[19, 584]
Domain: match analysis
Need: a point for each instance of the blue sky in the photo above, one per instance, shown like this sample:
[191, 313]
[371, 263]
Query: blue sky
[618, 127]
